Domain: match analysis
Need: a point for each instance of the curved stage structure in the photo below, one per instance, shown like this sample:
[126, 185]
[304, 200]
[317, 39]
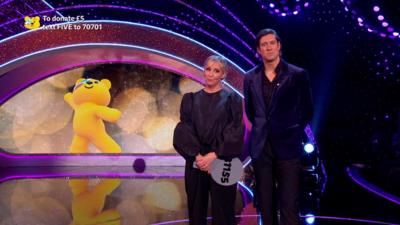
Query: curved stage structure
[37, 54]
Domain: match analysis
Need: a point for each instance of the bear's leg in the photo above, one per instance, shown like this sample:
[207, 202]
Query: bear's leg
[109, 216]
[79, 145]
[106, 144]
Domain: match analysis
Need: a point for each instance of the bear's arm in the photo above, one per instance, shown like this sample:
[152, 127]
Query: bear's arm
[108, 114]
[68, 99]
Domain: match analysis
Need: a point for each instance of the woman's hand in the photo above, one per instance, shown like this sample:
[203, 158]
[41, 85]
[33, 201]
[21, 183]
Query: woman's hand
[204, 162]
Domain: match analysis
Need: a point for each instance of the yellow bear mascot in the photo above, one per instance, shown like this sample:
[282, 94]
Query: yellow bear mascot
[89, 100]
[88, 203]
[32, 22]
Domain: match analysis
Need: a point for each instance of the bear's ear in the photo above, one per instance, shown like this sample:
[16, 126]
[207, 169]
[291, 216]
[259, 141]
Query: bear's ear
[79, 81]
[37, 18]
[27, 18]
[106, 82]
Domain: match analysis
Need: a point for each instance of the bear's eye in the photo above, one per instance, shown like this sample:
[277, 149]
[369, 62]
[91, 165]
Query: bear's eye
[96, 82]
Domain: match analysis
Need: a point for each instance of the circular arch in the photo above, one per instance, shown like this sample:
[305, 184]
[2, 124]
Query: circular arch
[36, 59]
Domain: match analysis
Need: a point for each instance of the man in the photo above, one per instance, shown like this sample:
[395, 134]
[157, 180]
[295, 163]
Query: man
[278, 103]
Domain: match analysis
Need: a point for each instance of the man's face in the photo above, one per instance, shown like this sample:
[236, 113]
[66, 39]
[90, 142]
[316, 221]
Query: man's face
[269, 48]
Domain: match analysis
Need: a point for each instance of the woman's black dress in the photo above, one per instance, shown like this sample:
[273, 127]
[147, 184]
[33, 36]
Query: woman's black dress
[209, 122]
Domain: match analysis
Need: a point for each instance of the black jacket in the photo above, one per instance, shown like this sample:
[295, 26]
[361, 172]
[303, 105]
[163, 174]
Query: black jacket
[289, 112]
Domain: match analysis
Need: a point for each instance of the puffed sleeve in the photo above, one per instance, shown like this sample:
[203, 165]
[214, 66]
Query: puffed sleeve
[185, 139]
[230, 144]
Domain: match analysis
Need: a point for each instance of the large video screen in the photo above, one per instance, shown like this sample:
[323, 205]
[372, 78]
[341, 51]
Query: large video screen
[39, 120]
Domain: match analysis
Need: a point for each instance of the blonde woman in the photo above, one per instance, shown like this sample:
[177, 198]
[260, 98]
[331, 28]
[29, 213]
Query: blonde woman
[211, 127]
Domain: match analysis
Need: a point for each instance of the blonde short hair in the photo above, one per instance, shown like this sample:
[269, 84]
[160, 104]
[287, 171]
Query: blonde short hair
[220, 59]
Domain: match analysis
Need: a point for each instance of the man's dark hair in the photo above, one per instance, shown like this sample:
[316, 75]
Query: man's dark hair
[264, 32]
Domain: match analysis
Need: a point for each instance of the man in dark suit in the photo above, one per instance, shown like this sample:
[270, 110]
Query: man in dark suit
[278, 103]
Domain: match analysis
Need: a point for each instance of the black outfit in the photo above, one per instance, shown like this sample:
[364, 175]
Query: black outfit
[209, 122]
[279, 110]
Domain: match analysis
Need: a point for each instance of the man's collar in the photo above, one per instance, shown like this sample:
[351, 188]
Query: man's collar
[279, 68]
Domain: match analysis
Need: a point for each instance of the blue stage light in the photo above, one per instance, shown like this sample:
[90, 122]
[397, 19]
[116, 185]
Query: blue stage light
[308, 148]
[310, 219]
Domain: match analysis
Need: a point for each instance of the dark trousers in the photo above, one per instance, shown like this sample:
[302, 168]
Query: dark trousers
[198, 185]
[277, 186]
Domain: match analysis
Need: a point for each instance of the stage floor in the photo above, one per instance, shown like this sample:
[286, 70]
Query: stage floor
[121, 195]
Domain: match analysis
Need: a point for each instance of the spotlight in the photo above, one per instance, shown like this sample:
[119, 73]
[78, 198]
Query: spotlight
[308, 148]
[310, 219]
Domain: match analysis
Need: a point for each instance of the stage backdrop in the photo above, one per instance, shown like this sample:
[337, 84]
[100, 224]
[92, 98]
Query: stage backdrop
[38, 120]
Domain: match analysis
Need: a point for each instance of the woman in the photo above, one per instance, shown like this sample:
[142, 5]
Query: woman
[211, 127]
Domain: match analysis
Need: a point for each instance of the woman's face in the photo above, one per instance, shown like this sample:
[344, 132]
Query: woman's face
[213, 73]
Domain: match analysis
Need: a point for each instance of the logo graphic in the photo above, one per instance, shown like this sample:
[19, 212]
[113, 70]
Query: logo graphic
[32, 22]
